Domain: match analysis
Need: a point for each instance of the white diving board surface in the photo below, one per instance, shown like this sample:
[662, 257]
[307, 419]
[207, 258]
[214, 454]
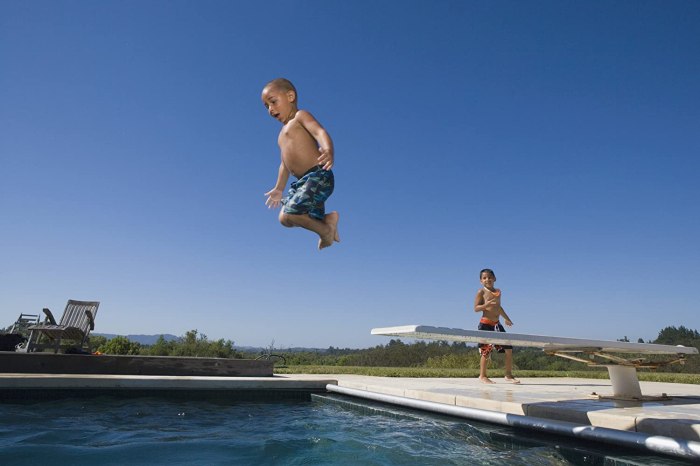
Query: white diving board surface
[623, 373]
[563, 344]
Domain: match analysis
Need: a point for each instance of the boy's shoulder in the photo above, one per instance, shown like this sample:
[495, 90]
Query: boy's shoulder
[304, 115]
[301, 117]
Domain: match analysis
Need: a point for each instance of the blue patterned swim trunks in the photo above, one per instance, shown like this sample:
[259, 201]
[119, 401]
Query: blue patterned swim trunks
[308, 194]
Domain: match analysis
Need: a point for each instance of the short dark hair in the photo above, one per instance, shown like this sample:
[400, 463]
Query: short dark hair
[283, 84]
[483, 271]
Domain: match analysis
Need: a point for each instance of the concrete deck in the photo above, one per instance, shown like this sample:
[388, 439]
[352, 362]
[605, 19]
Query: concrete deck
[561, 399]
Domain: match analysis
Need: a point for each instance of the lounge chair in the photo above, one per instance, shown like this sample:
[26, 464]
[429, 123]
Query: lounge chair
[23, 322]
[16, 338]
[76, 323]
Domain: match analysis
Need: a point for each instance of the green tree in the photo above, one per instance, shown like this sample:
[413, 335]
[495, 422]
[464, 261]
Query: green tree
[678, 336]
[96, 341]
[160, 348]
[120, 345]
[195, 344]
[681, 336]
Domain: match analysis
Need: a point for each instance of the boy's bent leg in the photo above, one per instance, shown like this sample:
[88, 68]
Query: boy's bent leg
[482, 369]
[325, 231]
[332, 221]
[509, 367]
[284, 219]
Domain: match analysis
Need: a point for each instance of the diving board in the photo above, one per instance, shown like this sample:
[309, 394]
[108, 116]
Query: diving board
[622, 371]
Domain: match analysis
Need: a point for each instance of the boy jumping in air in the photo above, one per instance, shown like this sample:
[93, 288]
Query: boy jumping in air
[488, 301]
[307, 153]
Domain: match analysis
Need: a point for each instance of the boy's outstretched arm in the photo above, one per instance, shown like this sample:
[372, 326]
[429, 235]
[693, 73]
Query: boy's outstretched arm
[325, 143]
[506, 319]
[274, 196]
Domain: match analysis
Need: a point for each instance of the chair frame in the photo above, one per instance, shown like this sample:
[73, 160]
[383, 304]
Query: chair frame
[23, 322]
[77, 321]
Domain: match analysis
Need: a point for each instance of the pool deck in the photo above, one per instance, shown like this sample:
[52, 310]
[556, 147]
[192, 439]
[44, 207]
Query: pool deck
[560, 399]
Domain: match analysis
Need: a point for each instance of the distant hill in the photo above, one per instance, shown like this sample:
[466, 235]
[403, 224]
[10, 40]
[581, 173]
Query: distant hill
[296, 349]
[143, 339]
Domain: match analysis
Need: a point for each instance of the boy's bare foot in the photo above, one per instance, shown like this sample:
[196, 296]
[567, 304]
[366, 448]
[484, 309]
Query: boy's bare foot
[485, 380]
[332, 221]
[511, 379]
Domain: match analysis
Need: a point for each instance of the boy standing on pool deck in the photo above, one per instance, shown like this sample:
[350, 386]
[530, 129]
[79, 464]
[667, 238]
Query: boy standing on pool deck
[307, 153]
[488, 301]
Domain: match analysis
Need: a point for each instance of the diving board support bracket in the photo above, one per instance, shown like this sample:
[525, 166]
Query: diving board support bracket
[624, 380]
[623, 373]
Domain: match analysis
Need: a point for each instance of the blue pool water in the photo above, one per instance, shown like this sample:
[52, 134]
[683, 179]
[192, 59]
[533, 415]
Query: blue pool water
[328, 430]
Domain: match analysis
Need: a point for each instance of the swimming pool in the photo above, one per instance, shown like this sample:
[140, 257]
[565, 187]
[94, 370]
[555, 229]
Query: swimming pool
[329, 430]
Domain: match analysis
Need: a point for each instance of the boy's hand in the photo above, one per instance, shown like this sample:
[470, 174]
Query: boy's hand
[491, 303]
[508, 322]
[326, 158]
[274, 197]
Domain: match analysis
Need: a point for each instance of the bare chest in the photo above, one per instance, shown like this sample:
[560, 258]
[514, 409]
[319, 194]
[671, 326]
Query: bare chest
[299, 149]
[492, 295]
[294, 134]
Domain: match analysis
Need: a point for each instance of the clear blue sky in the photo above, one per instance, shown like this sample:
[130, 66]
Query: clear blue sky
[555, 142]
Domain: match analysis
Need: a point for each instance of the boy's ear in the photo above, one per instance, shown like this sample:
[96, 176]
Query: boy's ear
[291, 96]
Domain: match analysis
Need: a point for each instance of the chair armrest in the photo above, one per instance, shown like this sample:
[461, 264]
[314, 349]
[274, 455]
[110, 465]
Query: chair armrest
[91, 319]
[49, 316]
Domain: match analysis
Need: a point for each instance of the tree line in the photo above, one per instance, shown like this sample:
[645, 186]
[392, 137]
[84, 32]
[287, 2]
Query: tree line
[192, 344]
[434, 354]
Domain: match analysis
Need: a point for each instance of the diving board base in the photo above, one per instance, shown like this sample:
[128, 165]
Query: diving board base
[625, 382]
[623, 377]
[625, 385]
